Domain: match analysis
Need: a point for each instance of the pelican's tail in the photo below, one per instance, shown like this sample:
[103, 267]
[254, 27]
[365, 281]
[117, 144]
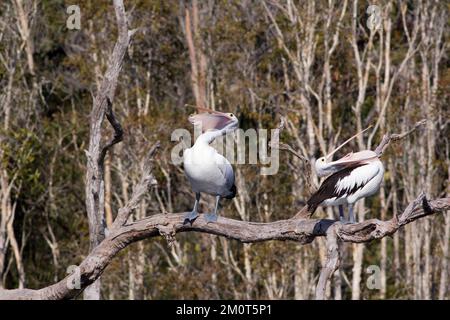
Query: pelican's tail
[305, 213]
[232, 194]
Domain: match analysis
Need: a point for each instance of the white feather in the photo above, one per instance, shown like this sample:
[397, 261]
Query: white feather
[207, 170]
[368, 176]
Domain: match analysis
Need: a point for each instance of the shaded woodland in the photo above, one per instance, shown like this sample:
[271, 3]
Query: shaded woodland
[313, 64]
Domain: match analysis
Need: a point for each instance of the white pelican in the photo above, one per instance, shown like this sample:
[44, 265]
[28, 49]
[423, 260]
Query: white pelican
[355, 176]
[208, 171]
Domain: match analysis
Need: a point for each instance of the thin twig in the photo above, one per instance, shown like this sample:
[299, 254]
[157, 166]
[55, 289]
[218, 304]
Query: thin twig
[275, 144]
[387, 138]
[147, 180]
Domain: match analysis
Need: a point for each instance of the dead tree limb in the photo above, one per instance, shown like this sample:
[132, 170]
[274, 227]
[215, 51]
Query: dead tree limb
[332, 263]
[102, 105]
[147, 180]
[302, 231]
[387, 138]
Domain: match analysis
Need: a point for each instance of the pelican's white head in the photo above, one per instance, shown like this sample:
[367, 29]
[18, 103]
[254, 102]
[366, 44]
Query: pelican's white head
[322, 167]
[214, 120]
[325, 166]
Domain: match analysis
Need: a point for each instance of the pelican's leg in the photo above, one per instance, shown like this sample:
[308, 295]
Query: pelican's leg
[191, 216]
[341, 214]
[350, 213]
[212, 217]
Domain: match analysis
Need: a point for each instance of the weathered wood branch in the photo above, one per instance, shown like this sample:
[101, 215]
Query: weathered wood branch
[102, 105]
[332, 263]
[302, 231]
[387, 138]
[147, 180]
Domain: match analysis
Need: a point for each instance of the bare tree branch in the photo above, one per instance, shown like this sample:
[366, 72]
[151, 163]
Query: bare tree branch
[286, 147]
[147, 180]
[387, 138]
[332, 263]
[102, 105]
[299, 230]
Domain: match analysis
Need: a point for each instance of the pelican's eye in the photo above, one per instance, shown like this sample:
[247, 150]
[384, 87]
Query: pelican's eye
[323, 160]
[231, 115]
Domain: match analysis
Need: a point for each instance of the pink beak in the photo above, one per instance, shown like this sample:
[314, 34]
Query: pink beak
[330, 155]
[212, 120]
[350, 159]
[364, 156]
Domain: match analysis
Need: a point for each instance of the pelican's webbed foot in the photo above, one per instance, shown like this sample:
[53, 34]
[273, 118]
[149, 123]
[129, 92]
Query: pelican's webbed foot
[210, 217]
[343, 220]
[190, 217]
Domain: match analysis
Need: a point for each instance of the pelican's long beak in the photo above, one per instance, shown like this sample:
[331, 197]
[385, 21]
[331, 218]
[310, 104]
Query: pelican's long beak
[330, 155]
[213, 120]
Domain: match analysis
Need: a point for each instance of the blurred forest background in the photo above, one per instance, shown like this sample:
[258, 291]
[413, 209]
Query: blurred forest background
[315, 62]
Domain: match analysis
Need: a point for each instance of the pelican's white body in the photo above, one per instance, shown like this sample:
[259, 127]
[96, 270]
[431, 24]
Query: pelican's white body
[207, 170]
[369, 176]
[355, 176]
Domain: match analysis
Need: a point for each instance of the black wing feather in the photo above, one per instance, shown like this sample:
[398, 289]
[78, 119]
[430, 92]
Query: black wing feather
[328, 190]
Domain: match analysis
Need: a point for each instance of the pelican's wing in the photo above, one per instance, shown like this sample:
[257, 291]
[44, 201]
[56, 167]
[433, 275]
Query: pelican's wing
[342, 183]
[355, 180]
[225, 169]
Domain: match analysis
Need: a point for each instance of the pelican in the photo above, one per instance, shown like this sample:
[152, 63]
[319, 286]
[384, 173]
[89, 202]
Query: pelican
[208, 171]
[353, 177]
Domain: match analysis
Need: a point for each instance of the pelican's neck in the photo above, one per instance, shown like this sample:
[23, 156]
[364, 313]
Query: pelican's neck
[208, 137]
